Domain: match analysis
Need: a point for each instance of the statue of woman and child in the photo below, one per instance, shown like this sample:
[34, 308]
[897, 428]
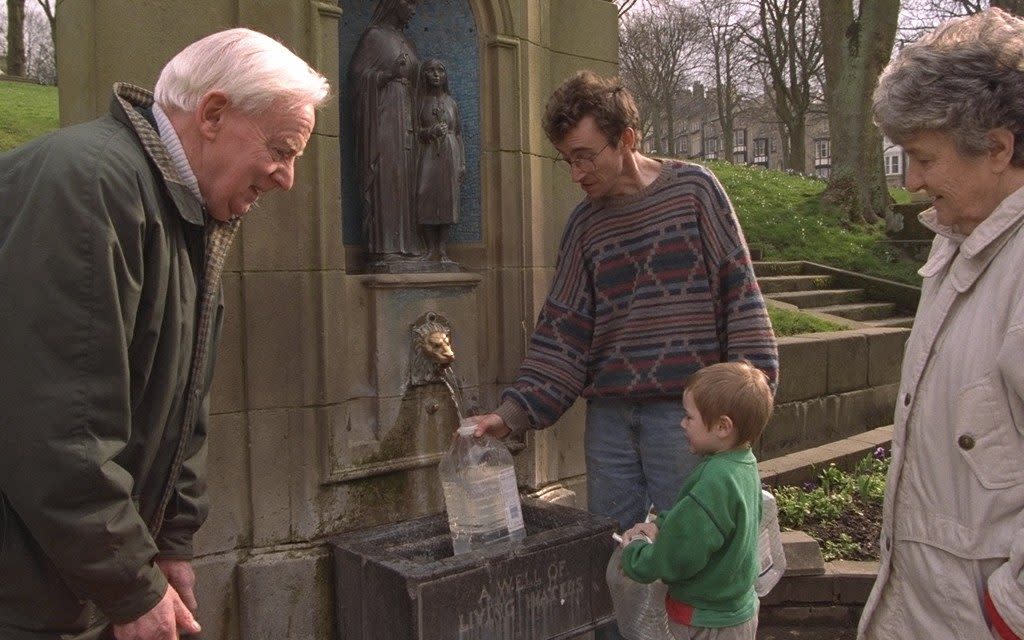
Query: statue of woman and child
[410, 150]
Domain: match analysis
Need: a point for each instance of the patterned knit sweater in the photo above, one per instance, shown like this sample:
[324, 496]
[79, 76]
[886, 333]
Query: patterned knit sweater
[648, 288]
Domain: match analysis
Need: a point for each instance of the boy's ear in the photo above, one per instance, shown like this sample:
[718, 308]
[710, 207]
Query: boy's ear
[724, 428]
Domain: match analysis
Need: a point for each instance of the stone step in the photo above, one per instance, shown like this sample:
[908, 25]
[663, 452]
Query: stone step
[801, 466]
[778, 268]
[895, 321]
[820, 298]
[779, 284]
[862, 311]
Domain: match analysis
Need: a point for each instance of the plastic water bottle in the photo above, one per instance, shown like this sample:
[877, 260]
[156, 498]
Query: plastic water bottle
[771, 556]
[480, 492]
[639, 608]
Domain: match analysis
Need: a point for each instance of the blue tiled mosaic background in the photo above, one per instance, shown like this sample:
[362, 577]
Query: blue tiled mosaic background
[442, 29]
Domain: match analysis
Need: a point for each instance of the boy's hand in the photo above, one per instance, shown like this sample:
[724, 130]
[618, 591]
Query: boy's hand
[640, 531]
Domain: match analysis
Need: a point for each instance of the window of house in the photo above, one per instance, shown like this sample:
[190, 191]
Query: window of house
[711, 148]
[892, 165]
[822, 152]
[761, 151]
[739, 140]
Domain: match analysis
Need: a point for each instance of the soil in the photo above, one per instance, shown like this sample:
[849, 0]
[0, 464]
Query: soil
[862, 523]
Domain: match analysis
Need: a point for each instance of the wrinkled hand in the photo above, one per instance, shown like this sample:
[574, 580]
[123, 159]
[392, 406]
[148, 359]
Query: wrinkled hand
[490, 423]
[180, 575]
[162, 622]
[639, 531]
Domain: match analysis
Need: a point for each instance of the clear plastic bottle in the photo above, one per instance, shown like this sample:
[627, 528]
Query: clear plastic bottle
[639, 608]
[771, 555]
[480, 492]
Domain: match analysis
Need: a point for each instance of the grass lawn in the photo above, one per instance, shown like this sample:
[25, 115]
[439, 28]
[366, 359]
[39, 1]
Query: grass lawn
[782, 215]
[26, 111]
[791, 323]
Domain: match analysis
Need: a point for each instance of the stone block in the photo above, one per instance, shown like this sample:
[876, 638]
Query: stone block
[853, 580]
[227, 393]
[287, 595]
[217, 595]
[586, 28]
[229, 524]
[885, 355]
[795, 426]
[803, 554]
[285, 475]
[847, 361]
[283, 337]
[803, 369]
[865, 409]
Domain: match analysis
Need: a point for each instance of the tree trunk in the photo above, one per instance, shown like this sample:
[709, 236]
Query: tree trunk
[1016, 7]
[657, 130]
[16, 38]
[856, 49]
[797, 160]
[670, 144]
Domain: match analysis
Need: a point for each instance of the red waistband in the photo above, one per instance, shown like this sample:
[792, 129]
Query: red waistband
[678, 612]
[998, 624]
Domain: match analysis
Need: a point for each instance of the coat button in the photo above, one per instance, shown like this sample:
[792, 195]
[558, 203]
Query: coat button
[906, 400]
[966, 442]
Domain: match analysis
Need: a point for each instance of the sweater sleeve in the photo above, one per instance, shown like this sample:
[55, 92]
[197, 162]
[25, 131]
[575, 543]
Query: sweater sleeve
[687, 537]
[555, 369]
[744, 330]
[70, 279]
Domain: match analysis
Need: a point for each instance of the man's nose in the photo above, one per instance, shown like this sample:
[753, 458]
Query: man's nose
[576, 173]
[284, 175]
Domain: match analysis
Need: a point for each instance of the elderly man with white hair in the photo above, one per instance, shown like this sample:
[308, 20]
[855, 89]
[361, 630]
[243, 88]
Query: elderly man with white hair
[113, 236]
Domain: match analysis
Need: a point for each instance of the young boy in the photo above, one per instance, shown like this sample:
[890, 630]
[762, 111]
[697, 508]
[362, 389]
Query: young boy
[705, 547]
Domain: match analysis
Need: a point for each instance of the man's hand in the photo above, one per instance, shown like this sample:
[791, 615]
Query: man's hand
[180, 575]
[162, 622]
[490, 423]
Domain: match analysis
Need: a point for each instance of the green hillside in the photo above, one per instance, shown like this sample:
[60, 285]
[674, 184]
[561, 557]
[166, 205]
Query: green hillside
[26, 111]
[782, 215]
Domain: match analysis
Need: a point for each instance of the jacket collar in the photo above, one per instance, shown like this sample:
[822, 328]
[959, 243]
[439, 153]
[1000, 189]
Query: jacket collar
[971, 254]
[124, 106]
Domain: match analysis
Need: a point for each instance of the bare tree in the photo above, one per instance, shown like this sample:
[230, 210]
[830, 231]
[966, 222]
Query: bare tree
[656, 54]
[786, 47]
[723, 23]
[16, 37]
[51, 17]
[40, 64]
[856, 48]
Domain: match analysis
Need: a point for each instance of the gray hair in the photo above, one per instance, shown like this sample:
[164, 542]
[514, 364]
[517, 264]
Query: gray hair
[253, 70]
[965, 78]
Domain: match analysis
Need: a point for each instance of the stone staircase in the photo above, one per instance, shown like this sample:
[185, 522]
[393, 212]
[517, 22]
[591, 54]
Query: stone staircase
[813, 289]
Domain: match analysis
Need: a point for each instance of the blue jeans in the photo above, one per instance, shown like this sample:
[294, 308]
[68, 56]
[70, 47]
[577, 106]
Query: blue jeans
[637, 456]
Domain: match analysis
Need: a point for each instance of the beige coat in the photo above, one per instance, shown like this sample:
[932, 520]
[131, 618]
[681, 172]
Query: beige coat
[956, 482]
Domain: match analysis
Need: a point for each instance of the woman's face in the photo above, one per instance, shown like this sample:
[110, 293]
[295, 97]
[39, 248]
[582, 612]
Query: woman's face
[966, 189]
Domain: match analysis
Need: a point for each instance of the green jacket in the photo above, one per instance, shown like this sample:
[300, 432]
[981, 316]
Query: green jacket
[102, 256]
[706, 547]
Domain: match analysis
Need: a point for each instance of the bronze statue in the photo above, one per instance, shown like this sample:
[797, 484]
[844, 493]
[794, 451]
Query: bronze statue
[382, 76]
[442, 162]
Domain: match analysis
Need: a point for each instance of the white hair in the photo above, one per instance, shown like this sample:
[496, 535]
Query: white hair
[253, 70]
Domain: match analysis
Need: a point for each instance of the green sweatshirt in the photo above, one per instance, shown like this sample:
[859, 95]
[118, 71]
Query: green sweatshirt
[706, 547]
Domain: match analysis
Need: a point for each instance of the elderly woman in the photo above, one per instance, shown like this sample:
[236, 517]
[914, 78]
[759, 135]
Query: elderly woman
[953, 521]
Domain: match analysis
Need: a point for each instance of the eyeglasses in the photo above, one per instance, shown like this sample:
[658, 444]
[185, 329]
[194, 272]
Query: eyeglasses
[585, 164]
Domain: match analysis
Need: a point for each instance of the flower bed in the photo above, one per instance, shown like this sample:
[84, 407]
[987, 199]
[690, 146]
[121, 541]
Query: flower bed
[841, 510]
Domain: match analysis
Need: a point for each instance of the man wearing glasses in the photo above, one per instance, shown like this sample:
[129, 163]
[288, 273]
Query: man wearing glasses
[653, 282]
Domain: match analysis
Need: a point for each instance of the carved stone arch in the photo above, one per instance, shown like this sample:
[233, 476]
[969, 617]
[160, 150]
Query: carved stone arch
[492, 16]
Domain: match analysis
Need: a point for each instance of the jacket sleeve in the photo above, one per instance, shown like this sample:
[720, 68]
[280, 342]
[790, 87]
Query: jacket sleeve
[1006, 584]
[687, 538]
[741, 316]
[70, 279]
[189, 506]
[554, 371]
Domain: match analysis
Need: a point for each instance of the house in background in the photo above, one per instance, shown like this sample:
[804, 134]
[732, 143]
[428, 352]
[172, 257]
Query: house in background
[756, 139]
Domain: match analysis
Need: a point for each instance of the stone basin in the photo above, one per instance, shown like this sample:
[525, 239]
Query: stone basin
[401, 581]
